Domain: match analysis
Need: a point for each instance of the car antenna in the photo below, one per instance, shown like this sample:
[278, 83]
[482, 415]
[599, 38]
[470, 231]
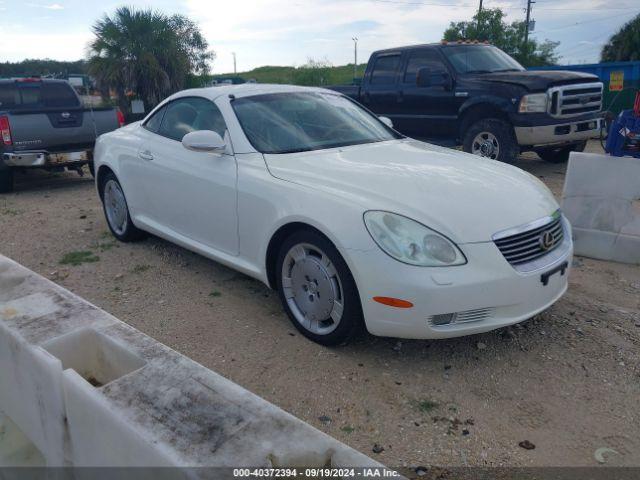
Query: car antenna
[232, 96]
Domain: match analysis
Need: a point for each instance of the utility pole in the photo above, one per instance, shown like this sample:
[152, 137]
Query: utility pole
[478, 27]
[234, 62]
[355, 57]
[526, 24]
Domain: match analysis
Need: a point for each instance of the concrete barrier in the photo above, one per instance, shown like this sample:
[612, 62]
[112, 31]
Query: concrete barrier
[601, 199]
[78, 387]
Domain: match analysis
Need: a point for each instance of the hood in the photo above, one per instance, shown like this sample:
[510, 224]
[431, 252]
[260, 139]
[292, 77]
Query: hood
[463, 196]
[539, 80]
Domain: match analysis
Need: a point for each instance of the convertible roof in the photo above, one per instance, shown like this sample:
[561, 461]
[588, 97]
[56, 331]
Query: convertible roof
[246, 90]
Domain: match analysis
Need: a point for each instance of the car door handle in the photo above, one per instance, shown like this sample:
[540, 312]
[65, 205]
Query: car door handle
[146, 155]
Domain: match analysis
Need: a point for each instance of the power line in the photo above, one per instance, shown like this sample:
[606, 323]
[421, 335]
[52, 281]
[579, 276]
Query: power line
[569, 25]
[468, 5]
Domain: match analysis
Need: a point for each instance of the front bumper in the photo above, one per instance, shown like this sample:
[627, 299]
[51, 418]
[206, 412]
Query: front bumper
[44, 158]
[557, 134]
[485, 294]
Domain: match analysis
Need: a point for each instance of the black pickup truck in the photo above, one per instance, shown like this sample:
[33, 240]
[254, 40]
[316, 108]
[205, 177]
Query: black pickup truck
[43, 124]
[480, 97]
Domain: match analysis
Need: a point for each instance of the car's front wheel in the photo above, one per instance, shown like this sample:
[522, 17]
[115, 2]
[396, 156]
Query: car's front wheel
[317, 289]
[116, 211]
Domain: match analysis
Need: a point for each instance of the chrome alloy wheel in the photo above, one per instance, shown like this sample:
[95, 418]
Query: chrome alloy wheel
[115, 206]
[312, 288]
[486, 144]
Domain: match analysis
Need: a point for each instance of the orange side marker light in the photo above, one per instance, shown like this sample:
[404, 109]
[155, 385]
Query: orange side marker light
[393, 302]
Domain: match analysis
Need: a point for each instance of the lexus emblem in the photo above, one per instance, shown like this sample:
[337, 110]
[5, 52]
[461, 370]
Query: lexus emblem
[65, 115]
[546, 240]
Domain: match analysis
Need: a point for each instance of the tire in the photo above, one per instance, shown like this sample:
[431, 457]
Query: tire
[313, 280]
[116, 210]
[492, 138]
[560, 155]
[6, 180]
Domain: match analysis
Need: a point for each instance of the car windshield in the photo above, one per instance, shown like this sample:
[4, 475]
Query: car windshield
[303, 121]
[480, 59]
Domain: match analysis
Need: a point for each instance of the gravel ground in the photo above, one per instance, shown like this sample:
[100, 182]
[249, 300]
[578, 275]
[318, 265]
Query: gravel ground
[567, 381]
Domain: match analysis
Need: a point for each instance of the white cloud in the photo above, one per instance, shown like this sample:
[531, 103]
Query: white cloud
[248, 27]
[53, 6]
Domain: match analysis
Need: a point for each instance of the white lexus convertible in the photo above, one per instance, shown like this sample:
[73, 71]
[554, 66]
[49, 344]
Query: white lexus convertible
[354, 225]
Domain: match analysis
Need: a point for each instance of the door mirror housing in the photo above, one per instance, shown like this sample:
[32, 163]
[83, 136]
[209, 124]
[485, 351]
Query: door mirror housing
[387, 121]
[204, 141]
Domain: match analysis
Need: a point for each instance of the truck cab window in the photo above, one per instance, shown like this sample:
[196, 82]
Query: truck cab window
[384, 70]
[425, 58]
[9, 96]
[59, 95]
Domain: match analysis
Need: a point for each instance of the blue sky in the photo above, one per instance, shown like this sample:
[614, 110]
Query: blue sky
[288, 32]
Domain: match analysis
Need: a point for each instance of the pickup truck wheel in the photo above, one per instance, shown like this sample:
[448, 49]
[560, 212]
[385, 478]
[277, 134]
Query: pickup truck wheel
[6, 180]
[116, 211]
[491, 138]
[317, 289]
[560, 155]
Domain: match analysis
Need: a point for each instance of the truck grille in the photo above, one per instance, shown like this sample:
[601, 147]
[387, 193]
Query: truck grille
[571, 100]
[531, 244]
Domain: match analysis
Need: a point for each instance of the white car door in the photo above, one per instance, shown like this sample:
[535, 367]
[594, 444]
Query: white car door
[191, 194]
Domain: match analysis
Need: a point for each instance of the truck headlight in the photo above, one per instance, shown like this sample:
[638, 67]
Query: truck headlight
[534, 103]
[411, 242]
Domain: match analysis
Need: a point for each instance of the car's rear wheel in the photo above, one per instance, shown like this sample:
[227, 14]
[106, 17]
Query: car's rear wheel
[560, 155]
[317, 289]
[491, 138]
[6, 179]
[116, 211]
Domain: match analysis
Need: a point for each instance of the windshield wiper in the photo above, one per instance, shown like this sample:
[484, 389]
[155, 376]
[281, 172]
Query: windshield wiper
[478, 71]
[508, 70]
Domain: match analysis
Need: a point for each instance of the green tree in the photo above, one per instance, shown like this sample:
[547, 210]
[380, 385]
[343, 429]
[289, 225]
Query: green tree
[490, 25]
[624, 46]
[146, 53]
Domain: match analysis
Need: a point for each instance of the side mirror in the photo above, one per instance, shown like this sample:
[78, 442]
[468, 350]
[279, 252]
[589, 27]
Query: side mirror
[387, 121]
[204, 141]
[423, 77]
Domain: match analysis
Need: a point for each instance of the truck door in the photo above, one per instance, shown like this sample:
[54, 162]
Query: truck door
[380, 92]
[427, 111]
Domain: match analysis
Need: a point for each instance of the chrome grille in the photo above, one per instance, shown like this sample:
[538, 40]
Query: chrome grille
[571, 100]
[526, 246]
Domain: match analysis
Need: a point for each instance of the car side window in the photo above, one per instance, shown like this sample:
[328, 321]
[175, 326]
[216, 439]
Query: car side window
[153, 124]
[425, 58]
[190, 114]
[384, 70]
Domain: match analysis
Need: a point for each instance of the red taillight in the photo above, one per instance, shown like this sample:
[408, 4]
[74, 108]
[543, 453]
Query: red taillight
[120, 118]
[5, 130]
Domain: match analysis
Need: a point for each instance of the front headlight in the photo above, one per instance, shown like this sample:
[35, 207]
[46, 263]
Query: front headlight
[411, 242]
[534, 103]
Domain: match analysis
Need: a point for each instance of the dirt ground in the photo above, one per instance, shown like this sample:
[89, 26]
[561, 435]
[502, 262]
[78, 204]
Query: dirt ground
[567, 381]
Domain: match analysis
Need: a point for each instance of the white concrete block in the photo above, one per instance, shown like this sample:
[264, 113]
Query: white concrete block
[601, 199]
[89, 390]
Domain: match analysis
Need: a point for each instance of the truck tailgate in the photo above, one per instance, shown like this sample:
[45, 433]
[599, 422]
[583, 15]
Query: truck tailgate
[59, 130]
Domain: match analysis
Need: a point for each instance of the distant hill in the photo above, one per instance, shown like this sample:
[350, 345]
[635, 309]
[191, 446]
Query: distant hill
[305, 75]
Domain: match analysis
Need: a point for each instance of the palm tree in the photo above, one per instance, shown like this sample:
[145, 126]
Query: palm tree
[147, 53]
